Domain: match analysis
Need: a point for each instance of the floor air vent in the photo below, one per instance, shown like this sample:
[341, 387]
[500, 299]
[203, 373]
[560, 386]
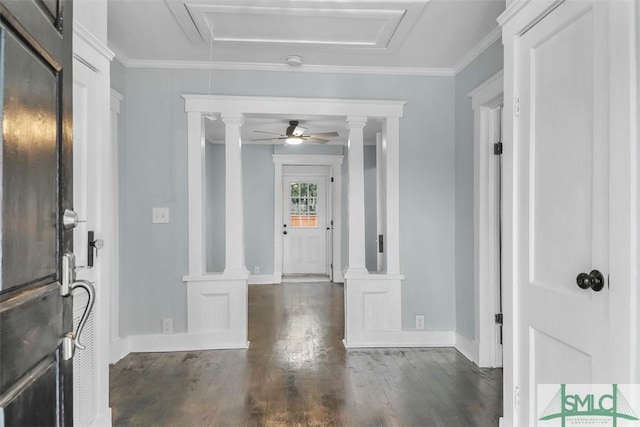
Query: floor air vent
[84, 366]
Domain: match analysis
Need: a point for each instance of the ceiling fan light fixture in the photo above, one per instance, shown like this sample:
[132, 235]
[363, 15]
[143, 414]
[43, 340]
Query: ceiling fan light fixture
[293, 140]
[295, 60]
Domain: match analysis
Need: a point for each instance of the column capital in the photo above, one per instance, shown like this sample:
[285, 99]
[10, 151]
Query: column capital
[356, 122]
[232, 119]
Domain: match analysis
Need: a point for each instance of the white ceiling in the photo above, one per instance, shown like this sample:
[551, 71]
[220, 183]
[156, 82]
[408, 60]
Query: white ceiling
[402, 36]
[406, 37]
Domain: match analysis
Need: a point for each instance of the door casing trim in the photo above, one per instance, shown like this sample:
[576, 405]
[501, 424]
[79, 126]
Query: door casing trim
[334, 162]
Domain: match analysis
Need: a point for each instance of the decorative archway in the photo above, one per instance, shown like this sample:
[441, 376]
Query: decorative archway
[217, 302]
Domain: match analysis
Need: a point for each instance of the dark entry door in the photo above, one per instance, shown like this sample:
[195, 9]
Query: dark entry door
[35, 89]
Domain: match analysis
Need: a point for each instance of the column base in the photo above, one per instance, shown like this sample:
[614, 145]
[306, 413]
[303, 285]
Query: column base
[217, 305]
[373, 306]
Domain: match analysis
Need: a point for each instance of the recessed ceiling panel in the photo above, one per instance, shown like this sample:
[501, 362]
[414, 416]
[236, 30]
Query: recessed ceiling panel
[351, 25]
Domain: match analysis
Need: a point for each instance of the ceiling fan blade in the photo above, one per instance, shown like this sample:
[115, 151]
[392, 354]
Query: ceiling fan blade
[317, 140]
[324, 134]
[267, 139]
[270, 133]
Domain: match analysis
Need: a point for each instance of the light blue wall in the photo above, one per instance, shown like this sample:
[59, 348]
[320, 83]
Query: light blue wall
[258, 181]
[483, 67]
[153, 172]
[215, 207]
[370, 208]
[118, 82]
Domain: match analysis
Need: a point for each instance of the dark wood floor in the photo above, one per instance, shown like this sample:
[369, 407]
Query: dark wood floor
[297, 373]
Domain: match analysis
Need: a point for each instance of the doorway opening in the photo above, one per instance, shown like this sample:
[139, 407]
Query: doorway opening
[487, 100]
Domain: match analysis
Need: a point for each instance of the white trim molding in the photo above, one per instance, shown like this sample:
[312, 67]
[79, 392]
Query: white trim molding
[404, 339]
[478, 49]
[485, 97]
[261, 279]
[261, 66]
[467, 347]
[91, 41]
[334, 162]
[89, 51]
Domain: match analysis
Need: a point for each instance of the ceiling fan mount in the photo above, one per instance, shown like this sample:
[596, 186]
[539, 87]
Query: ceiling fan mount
[294, 134]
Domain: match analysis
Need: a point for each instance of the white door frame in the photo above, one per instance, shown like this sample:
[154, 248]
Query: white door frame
[334, 162]
[91, 52]
[485, 97]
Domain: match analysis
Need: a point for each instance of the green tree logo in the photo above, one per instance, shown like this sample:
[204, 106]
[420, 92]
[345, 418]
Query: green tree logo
[588, 406]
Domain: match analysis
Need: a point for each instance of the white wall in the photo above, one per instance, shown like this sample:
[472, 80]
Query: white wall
[153, 173]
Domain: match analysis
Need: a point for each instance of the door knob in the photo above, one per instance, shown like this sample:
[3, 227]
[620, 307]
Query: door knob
[284, 232]
[593, 280]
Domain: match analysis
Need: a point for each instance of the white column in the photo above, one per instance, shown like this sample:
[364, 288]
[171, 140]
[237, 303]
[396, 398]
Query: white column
[196, 178]
[357, 263]
[234, 218]
[391, 137]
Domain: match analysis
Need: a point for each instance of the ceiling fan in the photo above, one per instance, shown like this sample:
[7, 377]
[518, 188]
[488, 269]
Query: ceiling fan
[295, 135]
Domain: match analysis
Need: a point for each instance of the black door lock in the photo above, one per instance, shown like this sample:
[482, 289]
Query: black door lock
[94, 245]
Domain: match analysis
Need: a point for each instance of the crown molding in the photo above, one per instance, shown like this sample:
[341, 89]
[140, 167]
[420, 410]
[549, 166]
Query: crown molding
[478, 49]
[475, 52]
[88, 37]
[248, 66]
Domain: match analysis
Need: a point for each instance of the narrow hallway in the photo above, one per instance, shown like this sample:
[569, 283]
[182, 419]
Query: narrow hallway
[297, 372]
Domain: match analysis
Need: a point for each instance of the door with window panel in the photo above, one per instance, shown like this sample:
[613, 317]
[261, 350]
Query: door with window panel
[304, 225]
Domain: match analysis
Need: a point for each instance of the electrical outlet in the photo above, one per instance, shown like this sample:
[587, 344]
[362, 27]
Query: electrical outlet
[419, 321]
[167, 326]
[159, 215]
[256, 270]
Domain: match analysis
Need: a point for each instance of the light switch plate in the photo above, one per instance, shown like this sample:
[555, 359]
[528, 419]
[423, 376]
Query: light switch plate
[160, 215]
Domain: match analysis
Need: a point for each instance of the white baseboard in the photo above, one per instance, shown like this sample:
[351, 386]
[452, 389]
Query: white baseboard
[103, 419]
[261, 279]
[467, 347]
[153, 343]
[375, 339]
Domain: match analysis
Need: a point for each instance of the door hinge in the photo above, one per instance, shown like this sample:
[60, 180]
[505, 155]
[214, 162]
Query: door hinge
[497, 148]
[516, 106]
[331, 179]
[498, 319]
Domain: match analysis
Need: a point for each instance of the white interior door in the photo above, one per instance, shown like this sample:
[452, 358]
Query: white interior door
[561, 212]
[304, 224]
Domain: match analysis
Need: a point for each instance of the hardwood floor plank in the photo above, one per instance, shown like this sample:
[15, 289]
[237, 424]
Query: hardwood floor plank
[297, 372]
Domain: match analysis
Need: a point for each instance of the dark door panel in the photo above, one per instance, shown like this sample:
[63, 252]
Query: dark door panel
[36, 384]
[22, 405]
[25, 341]
[29, 201]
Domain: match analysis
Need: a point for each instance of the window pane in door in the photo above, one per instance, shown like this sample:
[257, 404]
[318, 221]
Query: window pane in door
[304, 205]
